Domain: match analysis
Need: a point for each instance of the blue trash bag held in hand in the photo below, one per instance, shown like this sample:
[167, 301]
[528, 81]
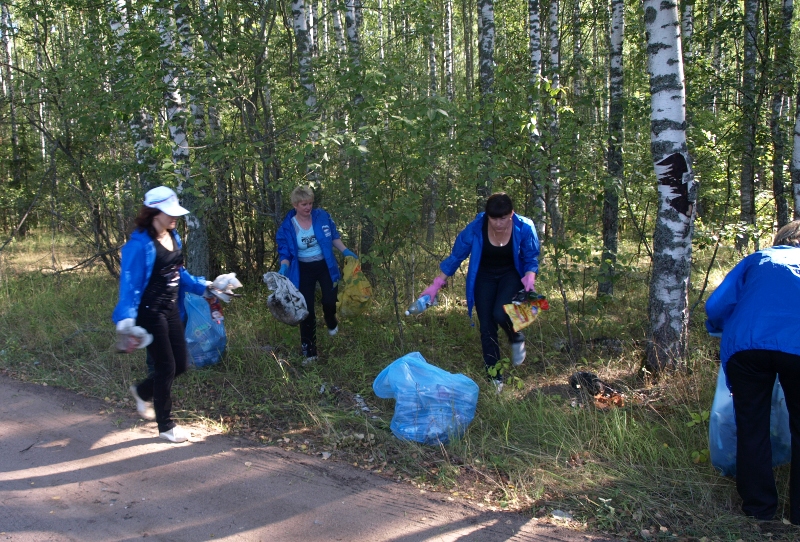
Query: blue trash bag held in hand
[722, 429]
[205, 337]
[432, 404]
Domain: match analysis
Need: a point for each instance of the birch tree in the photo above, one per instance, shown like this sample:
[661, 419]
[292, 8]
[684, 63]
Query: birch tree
[537, 192]
[749, 123]
[782, 81]
[795, 164]
[304, 52]
[616, 109]
[553, 190]
[486, 38]
[672, 241]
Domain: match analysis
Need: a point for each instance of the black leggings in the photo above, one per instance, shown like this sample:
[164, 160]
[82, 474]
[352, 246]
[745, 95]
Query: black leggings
[310, 274]
[751, 374]
[168, 352]
[493, 289]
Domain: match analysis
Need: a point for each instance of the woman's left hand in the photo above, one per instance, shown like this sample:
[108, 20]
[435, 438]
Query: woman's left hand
[347, 252]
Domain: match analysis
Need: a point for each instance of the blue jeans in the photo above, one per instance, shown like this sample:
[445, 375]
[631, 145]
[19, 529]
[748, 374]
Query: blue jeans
[493, 289]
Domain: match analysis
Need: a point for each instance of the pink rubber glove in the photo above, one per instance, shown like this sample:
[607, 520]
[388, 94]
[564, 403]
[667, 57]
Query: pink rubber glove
[433, 289]
[528, 281]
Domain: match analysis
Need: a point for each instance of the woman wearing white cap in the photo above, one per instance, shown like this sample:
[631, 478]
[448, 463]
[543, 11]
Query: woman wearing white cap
[152, 283]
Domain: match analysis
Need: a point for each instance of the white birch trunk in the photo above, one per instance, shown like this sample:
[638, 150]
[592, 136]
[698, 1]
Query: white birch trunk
[449, 60]
[8, 88]
[338, 29]
[553, 190]
[486, 37]
[672, 241]
[614, 156]
[783, 54]
[687, 27]
[747, 200]
[197, 246]
[304, 45]
[537, 192]
[795, 164]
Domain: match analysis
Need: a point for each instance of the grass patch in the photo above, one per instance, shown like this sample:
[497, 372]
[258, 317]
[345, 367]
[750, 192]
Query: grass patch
[536, 448]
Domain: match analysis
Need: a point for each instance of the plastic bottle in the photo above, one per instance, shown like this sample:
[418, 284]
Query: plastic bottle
[419, 305]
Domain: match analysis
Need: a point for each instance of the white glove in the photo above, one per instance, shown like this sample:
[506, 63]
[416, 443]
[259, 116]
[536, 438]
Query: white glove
[128, 334]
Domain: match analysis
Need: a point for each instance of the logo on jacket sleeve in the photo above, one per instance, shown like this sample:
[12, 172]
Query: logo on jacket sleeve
[326, 230]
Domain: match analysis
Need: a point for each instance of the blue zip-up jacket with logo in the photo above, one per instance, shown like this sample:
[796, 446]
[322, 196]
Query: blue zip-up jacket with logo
[469, 242]
[138, 259]
[756, 305]
[325, 231]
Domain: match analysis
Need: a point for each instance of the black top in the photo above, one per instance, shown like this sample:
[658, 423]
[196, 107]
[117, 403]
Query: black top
[165, 279]
[492, 257]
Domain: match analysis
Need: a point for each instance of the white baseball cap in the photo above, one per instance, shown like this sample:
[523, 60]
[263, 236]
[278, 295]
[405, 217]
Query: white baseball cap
[165, 200]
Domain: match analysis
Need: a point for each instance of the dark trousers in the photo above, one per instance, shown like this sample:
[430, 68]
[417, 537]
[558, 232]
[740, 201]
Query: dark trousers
[493, 289]
[312, 273]
[168, 351]
[751, 374]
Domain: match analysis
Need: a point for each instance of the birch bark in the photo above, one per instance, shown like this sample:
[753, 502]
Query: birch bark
[672, 241]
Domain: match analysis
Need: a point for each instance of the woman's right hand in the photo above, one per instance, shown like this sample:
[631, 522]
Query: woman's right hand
[284, 270]
[434, 288]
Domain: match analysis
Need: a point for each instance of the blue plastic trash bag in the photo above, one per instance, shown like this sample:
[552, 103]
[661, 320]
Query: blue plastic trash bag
[722, 429]
[205, 337]
[432, 406]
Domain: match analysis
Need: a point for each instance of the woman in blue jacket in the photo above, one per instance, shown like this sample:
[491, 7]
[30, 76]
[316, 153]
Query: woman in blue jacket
[503, 251]
[152, 284]
[755, 310]
[305, 242]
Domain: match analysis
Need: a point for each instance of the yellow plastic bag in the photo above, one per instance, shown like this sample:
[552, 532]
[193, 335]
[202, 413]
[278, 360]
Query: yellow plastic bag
[523, 314]
[355, 291]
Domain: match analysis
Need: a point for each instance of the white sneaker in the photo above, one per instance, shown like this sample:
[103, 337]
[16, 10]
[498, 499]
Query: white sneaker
[333, 331]
[144, 408]
[310, 360]
[517, 353]
[176, 434]
[498, 385]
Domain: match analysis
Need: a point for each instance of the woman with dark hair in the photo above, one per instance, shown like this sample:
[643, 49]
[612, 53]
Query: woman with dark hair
[152, 284]
[305, 241]
[754, 310]
[503, 251]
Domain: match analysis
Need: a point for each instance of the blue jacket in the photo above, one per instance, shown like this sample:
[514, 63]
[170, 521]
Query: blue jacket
[138, 259]
[325, 231]
[469, 242]
[756, 306]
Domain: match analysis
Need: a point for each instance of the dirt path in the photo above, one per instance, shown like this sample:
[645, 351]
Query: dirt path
[69, 470]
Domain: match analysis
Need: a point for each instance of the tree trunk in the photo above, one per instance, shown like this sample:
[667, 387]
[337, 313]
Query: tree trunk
[469, 61]
[536, 202]
[306, 76]
[782, 78]
[672, 241]
[747, 215]
[553, 190]
[486, 36]
[616, 136]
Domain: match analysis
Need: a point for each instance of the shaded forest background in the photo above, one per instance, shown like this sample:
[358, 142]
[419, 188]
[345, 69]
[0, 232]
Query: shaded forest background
[400, 113]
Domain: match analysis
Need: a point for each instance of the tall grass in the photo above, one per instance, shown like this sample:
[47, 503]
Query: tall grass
[535, 448]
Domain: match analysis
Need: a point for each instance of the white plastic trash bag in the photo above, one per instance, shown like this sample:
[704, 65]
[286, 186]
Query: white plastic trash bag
[286, 303]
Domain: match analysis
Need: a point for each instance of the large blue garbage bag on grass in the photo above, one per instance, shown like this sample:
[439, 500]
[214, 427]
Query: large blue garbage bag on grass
[205, 337]
[432, 406]
[722, 429]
